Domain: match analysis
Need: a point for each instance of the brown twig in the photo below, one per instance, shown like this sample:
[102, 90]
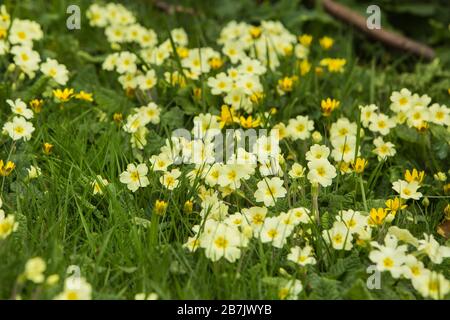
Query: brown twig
[171, 8]
[389, 38]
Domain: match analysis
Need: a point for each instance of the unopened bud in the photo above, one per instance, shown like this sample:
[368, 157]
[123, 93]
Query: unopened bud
[188, 206]
[447, 212]
[316, 136]
[362, 133]
[283, 272]
[115, 46]
[11, 67]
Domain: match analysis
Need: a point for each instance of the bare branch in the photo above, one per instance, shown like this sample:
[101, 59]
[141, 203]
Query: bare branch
[389, 38]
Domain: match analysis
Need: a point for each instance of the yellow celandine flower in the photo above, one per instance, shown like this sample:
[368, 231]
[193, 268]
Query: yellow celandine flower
[129, 92]
[3, 33]
[333, 65]
[215, 63]
[328, 106]
[188, 206]
[318, 71]
[176, 78]
[48, 147]
[118, 117]
[361, 242]
[5, 170]
[287, 83]
[422, 126]
[326, 42]
[304, 66]
[447, 188]
[288, 49]
[344, 167]
[257, 97]
[36, 105]
[447, 212]
[414, 176]
[359, 165]
[160, 207]
[394, 205]
[63, 95]
[305, 39]
[297, 171]
[182, 52]
[249, 122]
[84, 96]
[197, 93]
[377, 216]
[227, 116]
[255, 32]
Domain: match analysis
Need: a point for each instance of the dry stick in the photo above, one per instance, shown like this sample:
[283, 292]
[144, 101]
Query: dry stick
[387, 37]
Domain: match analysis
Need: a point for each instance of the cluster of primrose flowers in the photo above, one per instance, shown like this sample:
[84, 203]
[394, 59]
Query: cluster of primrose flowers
[236, 75]
[267, 186]
[17, 39]
[248, 51]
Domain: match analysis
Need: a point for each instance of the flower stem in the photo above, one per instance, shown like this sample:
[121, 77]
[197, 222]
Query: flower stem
[363, 193]
[315, 202]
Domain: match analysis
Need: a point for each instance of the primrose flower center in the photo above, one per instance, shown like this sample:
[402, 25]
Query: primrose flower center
[321, 171]
[382, 124]
[19, 130]
[72, 295]
[258, 219]
[337, 238]
[221, 242]
[388, 263]
[134, 176]
[433, 286]
[403, 101]
[272, 233]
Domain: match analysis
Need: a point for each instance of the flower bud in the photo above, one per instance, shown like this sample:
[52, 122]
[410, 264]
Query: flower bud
[316, 136]
[11, 67]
